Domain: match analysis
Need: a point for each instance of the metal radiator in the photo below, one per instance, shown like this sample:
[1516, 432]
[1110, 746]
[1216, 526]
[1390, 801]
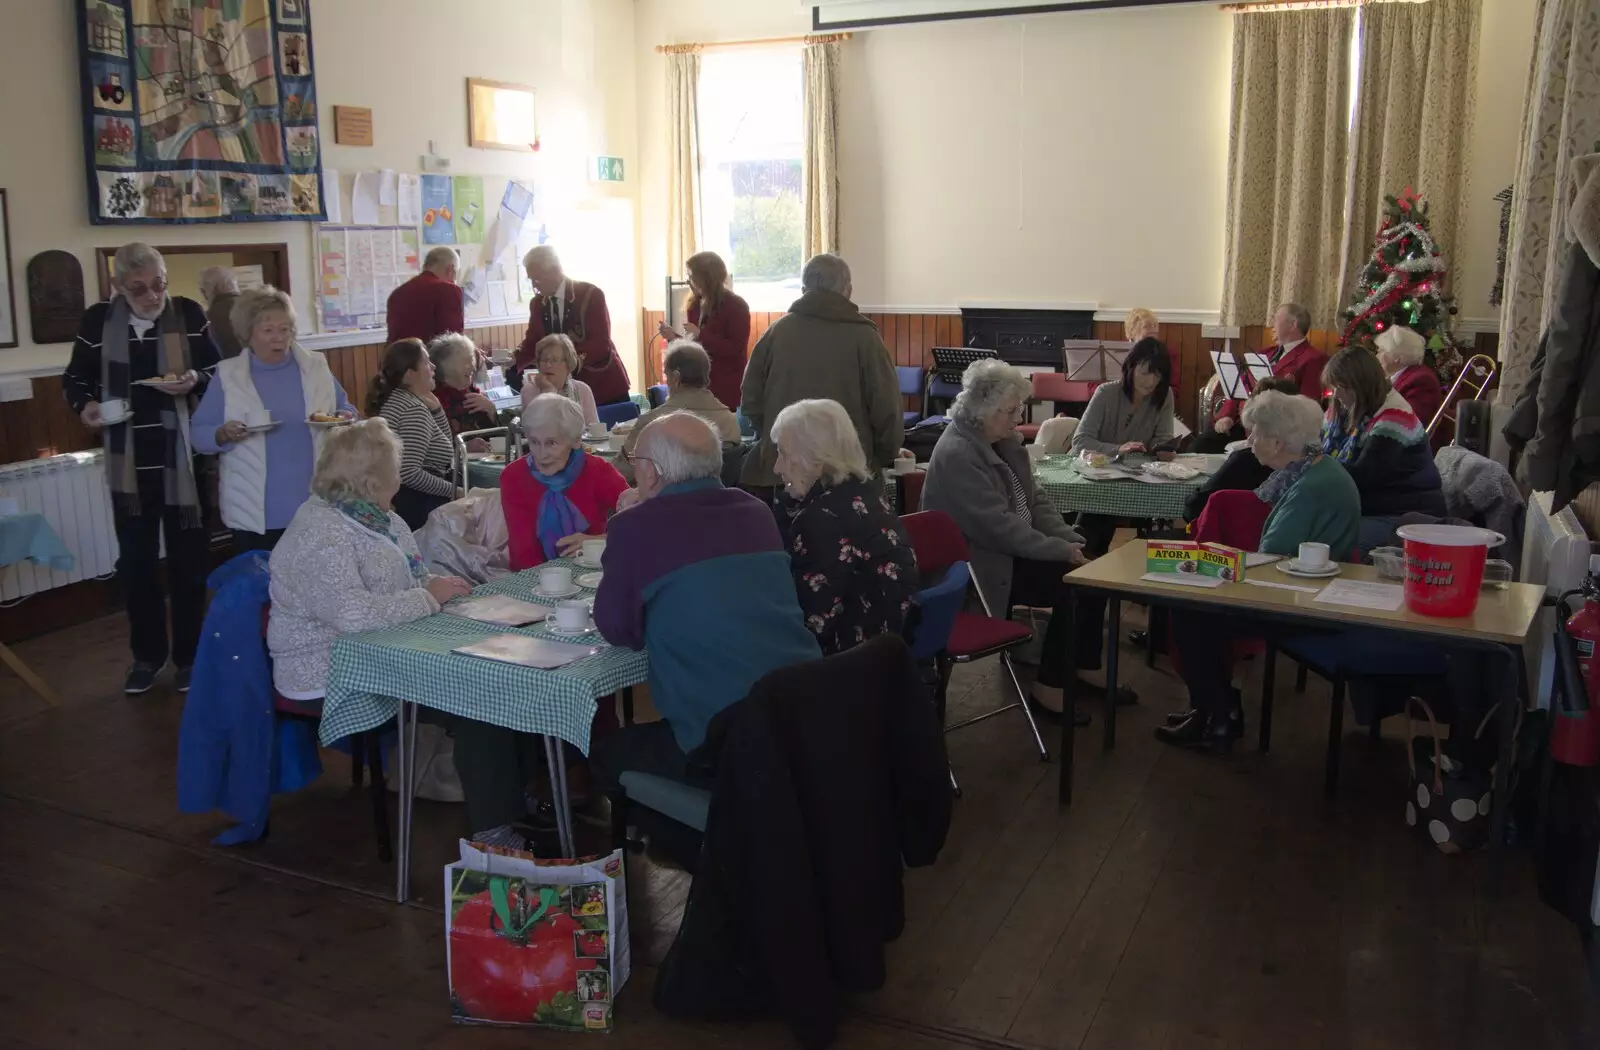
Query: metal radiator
[70, 491]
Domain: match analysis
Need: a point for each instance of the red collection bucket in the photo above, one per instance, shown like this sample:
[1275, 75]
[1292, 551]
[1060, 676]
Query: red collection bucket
[1444, 567]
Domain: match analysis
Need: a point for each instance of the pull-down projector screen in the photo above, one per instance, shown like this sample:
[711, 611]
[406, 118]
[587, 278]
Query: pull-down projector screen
[870, 14]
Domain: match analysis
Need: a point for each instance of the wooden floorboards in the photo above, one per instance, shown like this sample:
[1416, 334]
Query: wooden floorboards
[1180, 903]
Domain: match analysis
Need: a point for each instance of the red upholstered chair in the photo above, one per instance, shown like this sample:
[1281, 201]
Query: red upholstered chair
[908, 492]
[1056, 388]
[938, 544]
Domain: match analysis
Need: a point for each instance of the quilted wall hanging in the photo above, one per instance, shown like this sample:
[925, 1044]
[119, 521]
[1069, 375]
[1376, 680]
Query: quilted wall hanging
[199, 111]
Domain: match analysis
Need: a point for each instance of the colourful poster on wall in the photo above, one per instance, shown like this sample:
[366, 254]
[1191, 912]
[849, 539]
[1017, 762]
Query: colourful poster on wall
[469, 215]
[438, 210]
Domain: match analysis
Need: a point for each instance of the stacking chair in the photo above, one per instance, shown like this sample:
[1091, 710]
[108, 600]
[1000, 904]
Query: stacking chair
[1057, 389]
[938, 545]
[620, 412]
[938, 608]
[657, 395]
[911, 385]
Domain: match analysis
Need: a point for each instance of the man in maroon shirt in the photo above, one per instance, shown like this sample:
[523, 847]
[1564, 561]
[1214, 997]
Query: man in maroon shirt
[429, 304]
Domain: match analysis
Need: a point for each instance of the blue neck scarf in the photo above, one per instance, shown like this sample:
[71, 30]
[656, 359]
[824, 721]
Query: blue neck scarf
[558, 518]
[1279, 482]
[371, 516]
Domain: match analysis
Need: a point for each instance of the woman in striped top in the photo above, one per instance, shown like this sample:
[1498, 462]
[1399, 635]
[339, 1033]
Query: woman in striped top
[402, 393]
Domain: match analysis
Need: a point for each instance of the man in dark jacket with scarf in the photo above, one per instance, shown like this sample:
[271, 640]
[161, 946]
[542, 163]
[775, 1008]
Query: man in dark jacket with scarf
[822, 348]
[143, 334]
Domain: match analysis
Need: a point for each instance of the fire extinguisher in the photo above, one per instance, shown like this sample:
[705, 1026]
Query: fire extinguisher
[1575, 733]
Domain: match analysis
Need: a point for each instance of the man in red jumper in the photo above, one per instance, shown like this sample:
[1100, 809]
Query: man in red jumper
[429, 304]
[1292, 357]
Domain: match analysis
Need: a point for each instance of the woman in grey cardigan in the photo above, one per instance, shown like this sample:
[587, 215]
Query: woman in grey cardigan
[1133, 414]
[1021, 547]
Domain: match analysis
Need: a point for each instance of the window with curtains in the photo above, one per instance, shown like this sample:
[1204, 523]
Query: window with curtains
[750, 104]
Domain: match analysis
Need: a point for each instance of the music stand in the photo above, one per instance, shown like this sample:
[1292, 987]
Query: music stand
[1239, 383]
[1094, 360]
[949, 362]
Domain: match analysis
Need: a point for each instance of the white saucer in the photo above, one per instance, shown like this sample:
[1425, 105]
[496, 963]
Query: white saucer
[260, 427]
[555, 628]
[1293, 569]
[590, 580]
[569, 592]
[581, 562]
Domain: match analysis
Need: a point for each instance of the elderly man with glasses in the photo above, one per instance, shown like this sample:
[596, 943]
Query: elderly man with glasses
[138, 368]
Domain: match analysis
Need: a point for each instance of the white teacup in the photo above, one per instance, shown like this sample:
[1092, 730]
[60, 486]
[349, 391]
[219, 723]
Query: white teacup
[555, 579]
[905, 464]
[113, 410]
[257, 417]
[572, 615]
[1313, 556]
[592, 550]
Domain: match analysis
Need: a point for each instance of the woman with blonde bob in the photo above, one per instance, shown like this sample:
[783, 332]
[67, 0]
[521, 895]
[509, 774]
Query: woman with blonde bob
[256, 419]
[348, 563]
[855, 574]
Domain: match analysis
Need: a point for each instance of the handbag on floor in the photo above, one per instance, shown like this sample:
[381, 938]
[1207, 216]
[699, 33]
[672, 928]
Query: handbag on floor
[534, 942]
[435, 777]
[1450, 801]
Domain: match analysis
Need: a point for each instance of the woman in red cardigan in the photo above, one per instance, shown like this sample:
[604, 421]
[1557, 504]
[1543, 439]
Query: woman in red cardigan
[718, 321]
[1402, 353]
[557, 495]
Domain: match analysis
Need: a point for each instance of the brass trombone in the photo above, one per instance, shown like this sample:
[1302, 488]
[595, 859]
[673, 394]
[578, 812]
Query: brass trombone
[1477, 373]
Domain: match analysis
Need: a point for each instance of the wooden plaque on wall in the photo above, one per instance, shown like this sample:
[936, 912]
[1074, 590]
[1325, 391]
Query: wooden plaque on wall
[352, 125]
[55, 296]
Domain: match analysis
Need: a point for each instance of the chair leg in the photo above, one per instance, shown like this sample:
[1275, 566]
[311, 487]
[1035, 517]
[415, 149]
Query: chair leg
[619, 819]
[358, 745]
[380, 793]
[1300, 679]
[627, 705]
[1330, 772]
[954, 785]
[1269, 675]
[1027, 712]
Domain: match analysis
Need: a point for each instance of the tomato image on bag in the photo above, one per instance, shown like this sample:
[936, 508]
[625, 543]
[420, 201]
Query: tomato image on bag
[527, 954]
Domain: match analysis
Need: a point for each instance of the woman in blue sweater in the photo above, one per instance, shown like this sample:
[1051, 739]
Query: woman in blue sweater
[255, 416]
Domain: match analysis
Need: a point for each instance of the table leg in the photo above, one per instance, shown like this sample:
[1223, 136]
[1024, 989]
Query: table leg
[1511, 681]
[24, 672]
[1067, 608]
[557, 764]
[1269, 680]
[1114, 625]
[627, 705]
[402, 817]
[1330, 771]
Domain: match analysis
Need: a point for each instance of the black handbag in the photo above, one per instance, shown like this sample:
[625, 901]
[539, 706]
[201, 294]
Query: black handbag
[1449, 801]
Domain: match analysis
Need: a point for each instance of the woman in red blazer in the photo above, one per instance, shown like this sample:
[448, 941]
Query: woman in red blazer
[557, 495]
[718, 321]
[1401, 352]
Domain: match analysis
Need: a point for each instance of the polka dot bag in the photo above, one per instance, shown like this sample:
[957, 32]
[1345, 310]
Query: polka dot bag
[1449, 802]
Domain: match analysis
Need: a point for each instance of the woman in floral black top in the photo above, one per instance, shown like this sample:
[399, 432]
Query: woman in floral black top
[855, 573]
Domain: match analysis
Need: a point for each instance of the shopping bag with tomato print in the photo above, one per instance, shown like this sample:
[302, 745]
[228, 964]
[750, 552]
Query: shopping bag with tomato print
[534, 942]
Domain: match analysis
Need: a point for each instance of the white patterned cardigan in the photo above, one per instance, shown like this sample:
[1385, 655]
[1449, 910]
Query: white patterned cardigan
[331, 576]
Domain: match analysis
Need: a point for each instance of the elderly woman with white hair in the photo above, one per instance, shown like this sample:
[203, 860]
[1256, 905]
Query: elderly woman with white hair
[256, 419]
[855, 575]
[557, 361]
[576, 309]
[557, 495]
[1309, 498]
[349, 563]
[1021, 547]
[455, 364]
[1403, 354]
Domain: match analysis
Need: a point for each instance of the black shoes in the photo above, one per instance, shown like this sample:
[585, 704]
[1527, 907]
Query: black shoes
[1193, 730]
[180, 679]
[141, 676]
[1235, 717]
[1141, 640]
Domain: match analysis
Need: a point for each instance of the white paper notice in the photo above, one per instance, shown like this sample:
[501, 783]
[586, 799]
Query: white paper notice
[387, 187]
[248, 278]
[383, 253]
[497, 299]
[1386, 597]
[364, 199]
[330, 196]
[409, 200]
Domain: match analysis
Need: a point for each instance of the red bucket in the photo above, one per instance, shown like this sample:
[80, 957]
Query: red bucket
[1444, 567]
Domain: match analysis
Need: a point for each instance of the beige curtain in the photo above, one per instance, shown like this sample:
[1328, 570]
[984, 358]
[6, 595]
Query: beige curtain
[683, 159]
[1413, 121]
[820, 168]
[1560, 121]
[1287, 146]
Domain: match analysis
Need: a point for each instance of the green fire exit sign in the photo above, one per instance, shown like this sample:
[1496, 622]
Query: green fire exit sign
[608, 169]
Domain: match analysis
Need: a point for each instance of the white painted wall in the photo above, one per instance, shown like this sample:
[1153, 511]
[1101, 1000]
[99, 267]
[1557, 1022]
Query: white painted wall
[409, 61]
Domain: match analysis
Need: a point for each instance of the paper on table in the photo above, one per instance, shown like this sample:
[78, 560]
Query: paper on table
[408, 199]
[1155, 479]
[499, 609]
[1182, 580]
[1363, 595]
[330, 196]
[528, 651]
[364, 199]
[1282, 586]
[387, 187]
[1255, 558]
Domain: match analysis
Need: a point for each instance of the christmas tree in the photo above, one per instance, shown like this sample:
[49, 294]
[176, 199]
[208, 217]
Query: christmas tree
[1403, 283]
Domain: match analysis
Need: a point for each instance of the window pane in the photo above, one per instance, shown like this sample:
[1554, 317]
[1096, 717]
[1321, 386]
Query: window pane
[750, 151]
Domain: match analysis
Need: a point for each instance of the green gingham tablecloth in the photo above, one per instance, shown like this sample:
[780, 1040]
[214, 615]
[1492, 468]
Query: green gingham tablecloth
[1070, 492]
[371, 672]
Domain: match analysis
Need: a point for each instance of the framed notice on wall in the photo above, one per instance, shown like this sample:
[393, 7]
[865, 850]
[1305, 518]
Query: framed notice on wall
[501, 116]
[357, 269]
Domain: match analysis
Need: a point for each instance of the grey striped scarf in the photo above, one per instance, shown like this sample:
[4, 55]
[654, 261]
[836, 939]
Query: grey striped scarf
[115, 381]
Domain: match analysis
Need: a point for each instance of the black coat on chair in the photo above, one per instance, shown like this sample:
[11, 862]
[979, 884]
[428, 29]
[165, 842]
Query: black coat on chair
[831, 777]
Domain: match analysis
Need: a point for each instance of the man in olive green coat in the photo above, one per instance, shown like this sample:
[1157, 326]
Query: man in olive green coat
[822, 348]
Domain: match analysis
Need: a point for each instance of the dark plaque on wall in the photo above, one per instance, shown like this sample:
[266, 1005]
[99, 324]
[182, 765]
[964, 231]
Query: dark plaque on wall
[55, 296]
